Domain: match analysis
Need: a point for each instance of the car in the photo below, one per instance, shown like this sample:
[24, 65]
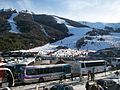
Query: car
[106, 82]
[61, 87]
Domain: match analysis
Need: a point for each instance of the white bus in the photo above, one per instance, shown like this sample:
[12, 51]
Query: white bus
[43, 73]
[82, 67]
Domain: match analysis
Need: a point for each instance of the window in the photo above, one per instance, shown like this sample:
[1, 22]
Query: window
[32, 71]
[56, 69]
[91, 64]
[118, 60]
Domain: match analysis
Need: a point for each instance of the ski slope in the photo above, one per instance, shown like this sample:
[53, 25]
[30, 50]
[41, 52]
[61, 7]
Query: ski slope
[13, 25]
[95, 44]
[70, 41]
[112, 40]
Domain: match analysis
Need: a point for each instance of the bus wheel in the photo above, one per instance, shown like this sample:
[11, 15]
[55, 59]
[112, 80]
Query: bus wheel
[41, 80]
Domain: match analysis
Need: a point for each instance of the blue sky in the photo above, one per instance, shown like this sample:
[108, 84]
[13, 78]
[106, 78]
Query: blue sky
[80, 10]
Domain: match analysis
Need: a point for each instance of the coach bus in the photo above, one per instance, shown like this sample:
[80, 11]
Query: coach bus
[82, 67]
[39, 73]
[43, 73]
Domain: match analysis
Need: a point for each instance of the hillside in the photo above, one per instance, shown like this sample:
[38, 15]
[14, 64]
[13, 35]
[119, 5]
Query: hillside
[24, 30]
[91, 37]
[103, 35]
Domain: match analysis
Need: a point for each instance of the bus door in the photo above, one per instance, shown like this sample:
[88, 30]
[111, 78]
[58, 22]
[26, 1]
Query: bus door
[19, 72]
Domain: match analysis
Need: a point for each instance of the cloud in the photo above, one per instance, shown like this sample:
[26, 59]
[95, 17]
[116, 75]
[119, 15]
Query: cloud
[94, 10]
[87, 10]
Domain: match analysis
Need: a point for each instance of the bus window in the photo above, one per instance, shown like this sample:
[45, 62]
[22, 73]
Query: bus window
[118, 60]
[41, 71]
[31, 72]
[68, 69]
[82, 65]
[28, 72]
[59, 69]
[92, 64]
[51, 70]
[45, 70]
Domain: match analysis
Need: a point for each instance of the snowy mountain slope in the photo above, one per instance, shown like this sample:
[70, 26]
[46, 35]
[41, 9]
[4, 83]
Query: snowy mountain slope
[115, 26]
[24, 30]
[42, 29]
[13, 25]
[97, 25]
[60, 21]
[70, 41]
[94, 44]
[100, 25]
[98, 41]
[103, 35]
[101, 42]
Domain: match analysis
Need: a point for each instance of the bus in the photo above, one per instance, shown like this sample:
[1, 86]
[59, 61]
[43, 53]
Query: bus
[82, 67]
[16, 70]
[41, 73]
[6, 77]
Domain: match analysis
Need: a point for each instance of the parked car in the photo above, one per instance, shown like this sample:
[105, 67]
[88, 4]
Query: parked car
[108, 84]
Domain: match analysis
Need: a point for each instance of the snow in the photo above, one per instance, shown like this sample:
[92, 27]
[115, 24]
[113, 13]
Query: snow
[25, 61]
[26, 11]
[70, 53]
[112, 40]
[43, 30]
[43, 49]
[13, 23]
[70, 42]
[60, 21]
[96, 46]
[97, 25]
[113, 25]
[101, 25]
